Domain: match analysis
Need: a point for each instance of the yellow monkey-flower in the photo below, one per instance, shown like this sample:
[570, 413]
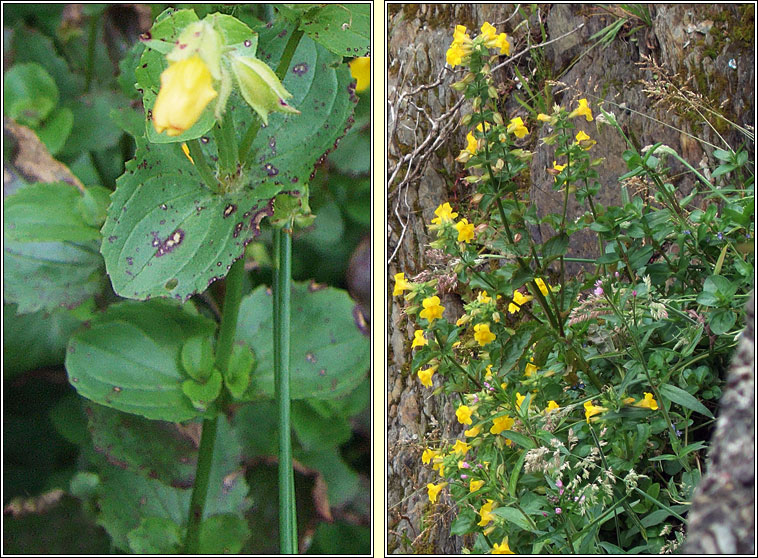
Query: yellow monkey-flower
[186, 89]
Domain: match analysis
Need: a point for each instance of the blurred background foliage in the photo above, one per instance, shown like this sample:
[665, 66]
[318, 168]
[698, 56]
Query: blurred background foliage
[66, 69]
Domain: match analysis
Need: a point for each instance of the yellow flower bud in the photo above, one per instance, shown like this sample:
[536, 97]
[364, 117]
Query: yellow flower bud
[186, 90]
[360, 69]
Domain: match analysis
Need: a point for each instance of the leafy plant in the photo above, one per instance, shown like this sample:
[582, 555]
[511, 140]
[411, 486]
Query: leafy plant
[584, 400]
[238, 113]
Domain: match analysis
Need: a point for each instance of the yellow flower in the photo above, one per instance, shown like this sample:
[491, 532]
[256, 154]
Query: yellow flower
[484, 298]
[516, 125]
[582, 110]
[530, 369]
[460, 48]
[518, 301]
[502, 43]
[591, 410]
[461, 447]
[488, 371]
[501, 423]
[428, 455]
[432, 309]
[475, 485]
[186, 152]
[418, 339]
[488, 31]
[465, 230]
[464, 414]
[486, 513]
[470, 143]
[400, 284]
[551, 405]
[483, 334]
[584, 141]
[444, 213]
[360, 69]
[542, 286]
[426, 375]
[439, 466]
[502, 548]
[473, 431]
[544, 117]
[434, 490]
[186, 89]
[454, 55]
[519, 399]
[648, 402]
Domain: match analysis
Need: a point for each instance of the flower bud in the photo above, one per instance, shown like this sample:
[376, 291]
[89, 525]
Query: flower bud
[201, 39]
[492, 92]
[260, 87]
[498, 118]
[466, 119]
[360, 69]
[186, 90]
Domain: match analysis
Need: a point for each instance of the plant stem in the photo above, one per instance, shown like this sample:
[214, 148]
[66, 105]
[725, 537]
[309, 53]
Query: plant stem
[198, 159]
[207, 441]
[89, 69]
[200, 488]
[282, 269]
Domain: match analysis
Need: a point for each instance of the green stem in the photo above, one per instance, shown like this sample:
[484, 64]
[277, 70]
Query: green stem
[282, 270]
[198, 159]
[89, 69]
[224, 134]
[207, 441]
[281, 71]
[200, 488]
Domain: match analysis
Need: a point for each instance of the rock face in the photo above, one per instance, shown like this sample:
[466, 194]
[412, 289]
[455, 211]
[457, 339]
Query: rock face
[705, 62]
[722, 517]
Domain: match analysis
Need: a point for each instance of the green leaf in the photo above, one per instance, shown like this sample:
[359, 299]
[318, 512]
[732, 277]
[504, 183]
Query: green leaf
[30, 93]
[30, 45]
[223, 534]
[315, 431]
[514, 516]
[341, 538]
[329, 354]
[555, 247]
[54, 131]
[464, 523]
[237, 377]
[35, 340]
[721, 321]
[203, 394]
[345, 29]
[681, 397]
[126, 497]
[129, 358]
[49, 275]
[168, 235]
[197, 358]
[520, 439]
[156, 535]
[46, 213]
[343, 483]
[152, 448]
[203, 224]
[93, 128]
[93, 205]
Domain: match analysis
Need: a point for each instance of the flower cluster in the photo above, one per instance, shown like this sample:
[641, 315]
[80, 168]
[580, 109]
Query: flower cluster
[462, 45]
